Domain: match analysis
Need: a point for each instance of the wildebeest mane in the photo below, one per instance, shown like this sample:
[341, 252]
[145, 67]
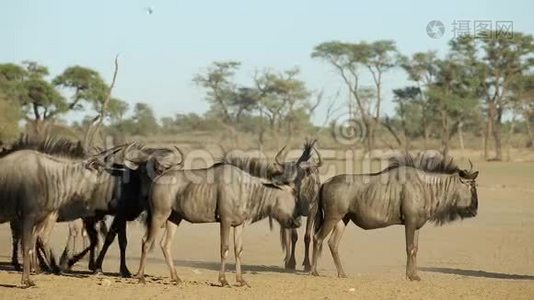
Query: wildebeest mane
[48, 145]
[254, 166]
[427, 161]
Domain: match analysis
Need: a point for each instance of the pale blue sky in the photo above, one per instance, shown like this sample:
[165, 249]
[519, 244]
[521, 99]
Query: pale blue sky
[160, 53]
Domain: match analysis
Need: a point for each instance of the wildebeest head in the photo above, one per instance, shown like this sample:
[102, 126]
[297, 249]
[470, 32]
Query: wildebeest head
[301, 173]
[153, 161]
[137, 166]
[467, 193]
[100, 160]
[286, 208]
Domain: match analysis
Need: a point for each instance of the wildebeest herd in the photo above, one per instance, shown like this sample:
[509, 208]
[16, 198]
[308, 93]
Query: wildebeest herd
[54, 180]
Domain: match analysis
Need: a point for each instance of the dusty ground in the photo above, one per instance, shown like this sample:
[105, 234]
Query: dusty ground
[491, 256]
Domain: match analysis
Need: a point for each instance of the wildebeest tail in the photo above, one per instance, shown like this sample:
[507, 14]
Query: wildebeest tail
[319, 215]
[283, 237]
[143, 218]
[103, 229]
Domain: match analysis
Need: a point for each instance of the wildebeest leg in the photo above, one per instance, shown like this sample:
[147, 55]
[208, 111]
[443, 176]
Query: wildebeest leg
[93, 237]
[102, 232]
[333, 244]
[35, 268]
[123, 242]
[157, 220]
[285, 240]
[70, 247]
[85, 239]
[43, 239]
[238, 250]
[307, 240]
[90, 227]
[28, 246]
[291, 263]
[40, 258]
[16, 232]
[225, 237]
[318, 239]
[114, 229]
[411, 251]
[166, 243]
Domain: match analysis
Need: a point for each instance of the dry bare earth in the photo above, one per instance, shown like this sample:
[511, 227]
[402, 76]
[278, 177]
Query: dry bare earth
[491, 256]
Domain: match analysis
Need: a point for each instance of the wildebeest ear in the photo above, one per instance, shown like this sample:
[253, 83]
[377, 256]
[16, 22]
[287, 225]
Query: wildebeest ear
[466, 175]
[130, 164]
[115, 170]
[473, 175]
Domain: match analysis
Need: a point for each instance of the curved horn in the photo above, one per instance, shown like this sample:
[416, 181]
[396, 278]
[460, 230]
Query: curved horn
[277, 157]
[319, 158]
[470, 166]
[181, 155]
[109, 151]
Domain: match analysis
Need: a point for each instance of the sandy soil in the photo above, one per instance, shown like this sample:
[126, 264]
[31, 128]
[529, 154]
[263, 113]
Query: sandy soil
[491, 256]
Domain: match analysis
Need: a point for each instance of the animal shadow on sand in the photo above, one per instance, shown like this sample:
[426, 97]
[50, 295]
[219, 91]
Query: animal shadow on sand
[7, 266]
[215, 266]
[477, 273]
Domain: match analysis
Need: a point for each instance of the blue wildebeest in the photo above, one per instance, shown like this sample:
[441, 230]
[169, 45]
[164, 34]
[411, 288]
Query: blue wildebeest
[409, 192]
[121, 198]
[222, 193]
[133, 193]
[307, 184]
[36, 184]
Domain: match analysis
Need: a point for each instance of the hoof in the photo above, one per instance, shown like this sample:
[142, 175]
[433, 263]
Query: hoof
[242, 283]
[36, 271]
[290, 266]
[28, 283]
[64, 263]
[413, 277]
[125, 274]
[176, 281]
[307, 268]
[98, 272]
[140, 278]
[224, 282]
[315, 273]
[91, 267]
[342, 275]
[57, 271]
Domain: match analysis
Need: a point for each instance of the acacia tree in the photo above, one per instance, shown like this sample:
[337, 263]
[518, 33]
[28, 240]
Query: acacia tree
[220, 88]
[144, 119]
[422, 69]
[282, 97]
[453, 100]
[26, 86]
[499, 61]
[40, 99]
[348, 58]
[411, 113]
[523, 98]
[9, 111]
